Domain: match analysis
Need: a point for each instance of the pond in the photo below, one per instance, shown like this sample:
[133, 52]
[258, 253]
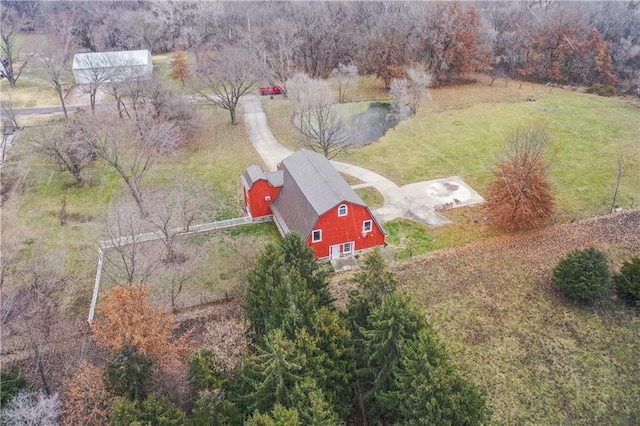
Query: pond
[371, 124]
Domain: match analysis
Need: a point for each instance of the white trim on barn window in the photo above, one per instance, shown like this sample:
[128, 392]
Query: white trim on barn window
[342, 210]
[347, 248]
[316, 235]
[367, 226]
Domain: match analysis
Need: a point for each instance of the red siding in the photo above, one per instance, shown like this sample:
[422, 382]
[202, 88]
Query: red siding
[343, 229]
[259, 198]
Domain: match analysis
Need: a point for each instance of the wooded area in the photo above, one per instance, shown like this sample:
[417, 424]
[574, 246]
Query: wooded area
[584, 43]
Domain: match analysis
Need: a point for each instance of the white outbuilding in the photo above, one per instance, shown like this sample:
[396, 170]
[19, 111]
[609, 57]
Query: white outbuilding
[105, 67]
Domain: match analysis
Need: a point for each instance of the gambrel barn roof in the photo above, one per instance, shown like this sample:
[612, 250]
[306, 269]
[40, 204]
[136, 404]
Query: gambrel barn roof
[312, 187]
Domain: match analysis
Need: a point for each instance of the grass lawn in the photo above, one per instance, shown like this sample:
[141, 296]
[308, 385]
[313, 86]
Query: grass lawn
[212, 164]
[460, 132]
[541, 359]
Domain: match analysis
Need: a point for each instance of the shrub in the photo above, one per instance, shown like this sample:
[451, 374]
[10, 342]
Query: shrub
[582, 275]
[627, 282]
[11, 383]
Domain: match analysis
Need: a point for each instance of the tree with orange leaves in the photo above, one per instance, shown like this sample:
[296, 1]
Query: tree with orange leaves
[521, 197]
[180, 67]
[84, 397]
[126, 320]
[453, 44]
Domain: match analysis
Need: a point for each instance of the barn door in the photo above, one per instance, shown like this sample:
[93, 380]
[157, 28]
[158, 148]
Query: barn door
[334, 251]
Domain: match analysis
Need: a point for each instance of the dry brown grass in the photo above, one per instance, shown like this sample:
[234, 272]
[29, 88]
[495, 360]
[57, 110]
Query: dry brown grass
[541, 359]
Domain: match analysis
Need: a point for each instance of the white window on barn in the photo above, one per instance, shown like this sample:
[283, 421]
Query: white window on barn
[316, 236]
[367, 226]
[342, 210]
[347, 248]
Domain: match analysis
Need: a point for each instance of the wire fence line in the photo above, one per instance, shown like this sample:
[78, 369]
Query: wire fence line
[153, 236]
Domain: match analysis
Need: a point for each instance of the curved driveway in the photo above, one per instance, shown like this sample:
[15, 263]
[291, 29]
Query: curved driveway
[397, 204]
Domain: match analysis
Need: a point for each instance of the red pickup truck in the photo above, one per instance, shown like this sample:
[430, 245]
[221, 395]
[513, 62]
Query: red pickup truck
[270, 90]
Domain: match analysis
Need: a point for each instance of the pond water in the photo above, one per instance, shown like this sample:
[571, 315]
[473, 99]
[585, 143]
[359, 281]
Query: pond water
[372, 124]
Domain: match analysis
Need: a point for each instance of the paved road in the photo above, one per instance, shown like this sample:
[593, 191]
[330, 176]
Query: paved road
[397, 204]
[19, 112]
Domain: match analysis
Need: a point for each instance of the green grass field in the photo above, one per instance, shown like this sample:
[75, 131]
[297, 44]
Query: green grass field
[460, 132]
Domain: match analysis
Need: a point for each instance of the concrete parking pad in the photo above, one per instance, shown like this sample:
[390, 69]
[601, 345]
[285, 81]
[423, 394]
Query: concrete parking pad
[444, 193]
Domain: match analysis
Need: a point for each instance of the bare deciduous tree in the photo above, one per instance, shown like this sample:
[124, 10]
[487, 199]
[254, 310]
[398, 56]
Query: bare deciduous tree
[131, 147]
[224, 77]
[12, 21]
[126, 256]
[9, 127]
[34, 311]
[96, 70]
[55, 63]
[29, 408]
[321, 124]
[410, 91]
[172, 215]
[341, 77]
[64, 150]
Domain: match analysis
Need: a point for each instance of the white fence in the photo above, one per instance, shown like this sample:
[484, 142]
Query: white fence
[152, 236]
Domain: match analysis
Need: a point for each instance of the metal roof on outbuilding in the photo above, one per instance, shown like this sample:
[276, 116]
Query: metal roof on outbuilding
[102, 67]
[311, 187]
[254, 173]
[111, 59]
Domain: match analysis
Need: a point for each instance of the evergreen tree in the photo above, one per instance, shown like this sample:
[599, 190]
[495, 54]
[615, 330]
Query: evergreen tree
[270, 376]
[279, 416]
[128, 375]
[314, 409]
[154, 410]
[11, 383]
[263, 280]
[158, 410]
[329, 354]
[375, 282]
[285, 286]
[211, 391]
[299, 256]
[393, 326]
[292, 305]
[428, 390]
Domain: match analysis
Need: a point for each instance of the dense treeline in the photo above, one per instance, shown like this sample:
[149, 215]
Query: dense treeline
[591, 43]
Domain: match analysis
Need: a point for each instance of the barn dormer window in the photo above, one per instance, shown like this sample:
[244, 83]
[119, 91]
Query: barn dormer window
[316, 236]
[342, 210]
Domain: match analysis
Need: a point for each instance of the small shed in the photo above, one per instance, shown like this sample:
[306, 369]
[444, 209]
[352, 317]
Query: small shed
[314, 201]
[105, 67]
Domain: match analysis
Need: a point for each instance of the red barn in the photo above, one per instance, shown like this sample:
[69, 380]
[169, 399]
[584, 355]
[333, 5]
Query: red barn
[308, 196]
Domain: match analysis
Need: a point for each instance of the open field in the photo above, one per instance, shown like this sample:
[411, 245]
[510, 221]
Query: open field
[541, 359]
